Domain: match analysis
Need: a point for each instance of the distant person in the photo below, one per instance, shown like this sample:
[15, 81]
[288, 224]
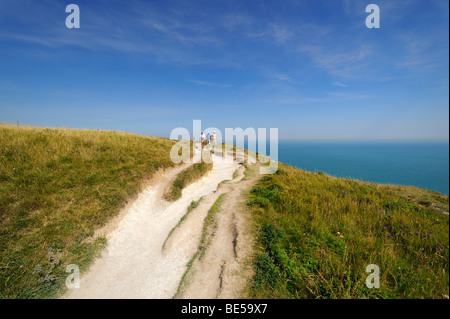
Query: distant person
[203, 139]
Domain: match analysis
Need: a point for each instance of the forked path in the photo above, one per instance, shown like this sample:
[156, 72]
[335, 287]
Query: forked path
[222, 268]
[133, 265]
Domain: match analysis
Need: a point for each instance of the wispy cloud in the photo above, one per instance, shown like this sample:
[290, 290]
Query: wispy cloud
[329, 97]
[292, 100]
[282, 77]
[423, 53]
[337, 83]
[138, 29]
[345, 96]
[281, 33]
[344, 64]
[184, 33]
[210, 84]
[285, 34]
[286, 78]
[233, 22]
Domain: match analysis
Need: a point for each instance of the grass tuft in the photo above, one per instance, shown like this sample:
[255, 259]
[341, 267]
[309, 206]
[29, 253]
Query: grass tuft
[186, 177]
[207, 233]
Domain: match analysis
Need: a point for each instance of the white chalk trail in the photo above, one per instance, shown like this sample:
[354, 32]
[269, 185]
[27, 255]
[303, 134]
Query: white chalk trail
[133, 264]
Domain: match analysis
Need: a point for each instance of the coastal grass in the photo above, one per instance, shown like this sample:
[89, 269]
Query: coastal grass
[316, 234]
[57, 186]
[210, 225]
[235, 174]
[185, 178]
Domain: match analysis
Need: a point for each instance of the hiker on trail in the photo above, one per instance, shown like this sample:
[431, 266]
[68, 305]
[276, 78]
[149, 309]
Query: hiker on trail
[203, 139]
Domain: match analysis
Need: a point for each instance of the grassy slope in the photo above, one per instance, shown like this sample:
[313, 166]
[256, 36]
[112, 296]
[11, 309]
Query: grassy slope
[186, 177]
[56, 187]
[317, 234]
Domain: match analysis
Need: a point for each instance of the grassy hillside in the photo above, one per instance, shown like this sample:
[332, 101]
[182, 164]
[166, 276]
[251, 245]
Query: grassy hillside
[317, 234]
[57, 186]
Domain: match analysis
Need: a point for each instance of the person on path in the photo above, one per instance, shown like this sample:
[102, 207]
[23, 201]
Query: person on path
[203, 139]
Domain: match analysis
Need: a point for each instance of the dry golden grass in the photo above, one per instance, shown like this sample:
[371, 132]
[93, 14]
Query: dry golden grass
[57, 186]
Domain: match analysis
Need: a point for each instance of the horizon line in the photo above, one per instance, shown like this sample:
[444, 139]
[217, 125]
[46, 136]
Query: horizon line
[295, 139]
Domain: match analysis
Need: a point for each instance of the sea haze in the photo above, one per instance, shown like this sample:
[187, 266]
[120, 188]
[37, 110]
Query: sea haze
[420, 164]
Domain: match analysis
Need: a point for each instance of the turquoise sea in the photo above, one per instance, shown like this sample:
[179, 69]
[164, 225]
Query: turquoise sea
[420, 164]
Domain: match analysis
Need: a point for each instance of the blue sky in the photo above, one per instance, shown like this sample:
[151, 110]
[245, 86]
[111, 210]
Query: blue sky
[310, 68]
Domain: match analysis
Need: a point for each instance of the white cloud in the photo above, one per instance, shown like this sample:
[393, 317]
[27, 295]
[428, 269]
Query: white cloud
[337, 83]
[282, 77]
[348, 64]
[211, 84]
[233, 22]
[423, 52]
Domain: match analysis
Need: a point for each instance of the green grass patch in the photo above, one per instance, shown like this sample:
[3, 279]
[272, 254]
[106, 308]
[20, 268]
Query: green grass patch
[317, 234]
[209, 226]
[186, 177]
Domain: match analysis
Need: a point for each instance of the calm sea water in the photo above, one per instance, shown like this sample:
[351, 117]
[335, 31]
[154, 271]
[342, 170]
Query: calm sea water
[420, 164]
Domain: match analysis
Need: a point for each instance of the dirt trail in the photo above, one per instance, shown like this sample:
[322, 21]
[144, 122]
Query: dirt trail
[223, 269]
[133, 265]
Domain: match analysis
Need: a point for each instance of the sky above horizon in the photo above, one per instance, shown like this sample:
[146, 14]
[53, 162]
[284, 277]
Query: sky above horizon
[310, 68]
